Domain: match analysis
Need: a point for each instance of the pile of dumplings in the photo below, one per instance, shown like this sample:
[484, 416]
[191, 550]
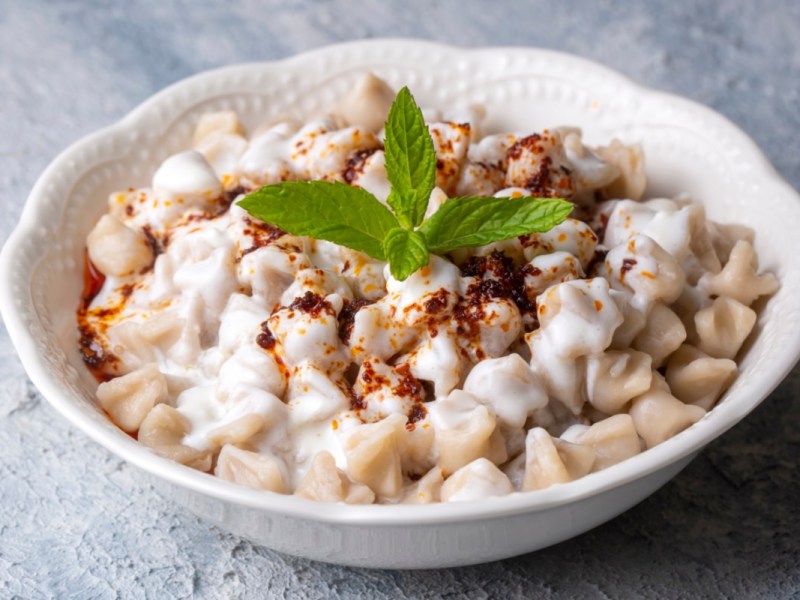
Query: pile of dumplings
[298, 366]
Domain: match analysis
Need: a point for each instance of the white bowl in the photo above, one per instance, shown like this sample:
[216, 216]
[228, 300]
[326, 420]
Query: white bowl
[688, 148]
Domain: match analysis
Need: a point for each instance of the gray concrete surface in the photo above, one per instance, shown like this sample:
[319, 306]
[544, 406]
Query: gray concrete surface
[73, 522]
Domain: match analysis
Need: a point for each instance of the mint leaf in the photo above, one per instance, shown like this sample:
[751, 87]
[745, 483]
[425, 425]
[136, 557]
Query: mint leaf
[406, 252]
[476, 221]
[410, 160]
[335, 212]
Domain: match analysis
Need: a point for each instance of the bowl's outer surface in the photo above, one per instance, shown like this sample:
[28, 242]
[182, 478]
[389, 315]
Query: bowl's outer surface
[689, 148]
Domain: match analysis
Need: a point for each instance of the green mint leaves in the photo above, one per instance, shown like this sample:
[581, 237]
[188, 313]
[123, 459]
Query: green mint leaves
[410, 160]
[406, 251]
[477, 221]
[336, 212]
[352, 217]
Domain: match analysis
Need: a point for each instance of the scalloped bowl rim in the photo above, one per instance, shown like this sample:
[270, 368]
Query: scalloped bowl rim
[690, 441]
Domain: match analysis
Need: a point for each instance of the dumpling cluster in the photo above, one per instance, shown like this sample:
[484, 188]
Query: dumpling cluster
[299, 366]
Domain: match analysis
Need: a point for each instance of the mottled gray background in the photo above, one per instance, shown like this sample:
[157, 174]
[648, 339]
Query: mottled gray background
[73, 522]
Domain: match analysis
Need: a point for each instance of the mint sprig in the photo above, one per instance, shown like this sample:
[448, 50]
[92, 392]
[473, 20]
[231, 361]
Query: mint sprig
[352, 217]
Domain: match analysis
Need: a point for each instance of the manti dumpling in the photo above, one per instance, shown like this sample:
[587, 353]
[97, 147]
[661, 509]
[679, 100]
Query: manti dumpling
[257, 471]
[551, 460]
[324, 482]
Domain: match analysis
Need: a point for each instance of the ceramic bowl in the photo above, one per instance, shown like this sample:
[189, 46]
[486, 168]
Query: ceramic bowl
[688, 147]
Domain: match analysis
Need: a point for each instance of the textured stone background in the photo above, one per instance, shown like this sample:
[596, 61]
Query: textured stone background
[73, 522]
